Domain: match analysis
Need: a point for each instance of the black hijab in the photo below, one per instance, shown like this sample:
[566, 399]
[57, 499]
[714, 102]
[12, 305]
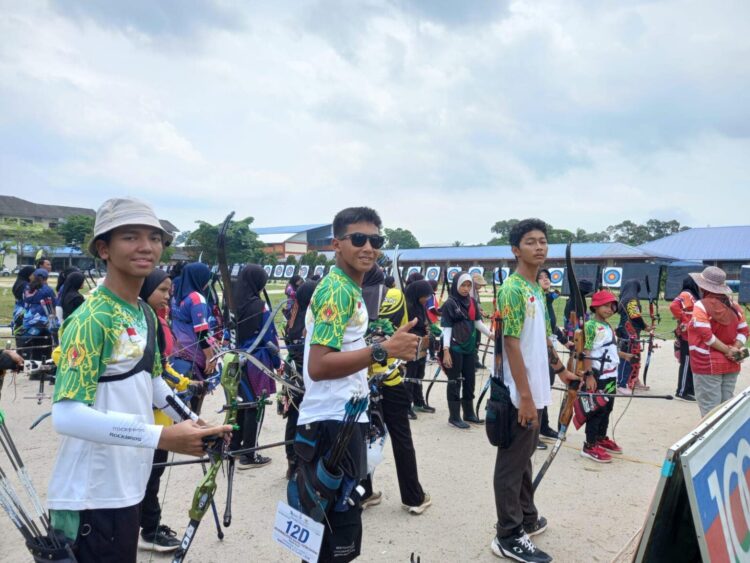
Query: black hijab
[413, 293]
[250, 284]
[152, 281]
[414, 277]
[70, 298]
[299, 310]
[689, 285]
[373, 291]
[630, 290]
[24, 277]
[390, 282]
[194, 277]
[586, 287]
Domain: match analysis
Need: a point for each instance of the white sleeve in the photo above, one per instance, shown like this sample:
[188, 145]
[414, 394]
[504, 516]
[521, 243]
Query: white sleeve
[167, 401]
[447, 334]
[481, 327]
[76, 419]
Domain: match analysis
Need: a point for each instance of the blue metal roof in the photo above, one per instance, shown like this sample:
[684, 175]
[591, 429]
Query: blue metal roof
[705, 243]
[287, 229]
[581, 251]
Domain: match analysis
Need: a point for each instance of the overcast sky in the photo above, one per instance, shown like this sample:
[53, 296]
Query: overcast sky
[444, 115]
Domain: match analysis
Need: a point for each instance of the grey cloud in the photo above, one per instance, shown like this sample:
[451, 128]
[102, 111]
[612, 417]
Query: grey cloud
[456, 12]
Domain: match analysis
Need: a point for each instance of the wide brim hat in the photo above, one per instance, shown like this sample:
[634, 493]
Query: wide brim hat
[713, 280]
[478, 279]
[602, 298]
[121, 212]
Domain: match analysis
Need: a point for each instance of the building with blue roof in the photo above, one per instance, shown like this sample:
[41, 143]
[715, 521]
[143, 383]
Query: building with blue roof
[490, 256]
[725, 247]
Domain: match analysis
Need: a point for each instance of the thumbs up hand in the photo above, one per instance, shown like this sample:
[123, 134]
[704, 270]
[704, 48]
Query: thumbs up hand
[403, 345]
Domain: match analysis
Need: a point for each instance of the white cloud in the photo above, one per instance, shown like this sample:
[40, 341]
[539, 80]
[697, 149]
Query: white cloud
[444, 118]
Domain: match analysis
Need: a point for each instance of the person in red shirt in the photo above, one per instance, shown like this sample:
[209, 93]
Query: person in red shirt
[717, 334]
[682, 310]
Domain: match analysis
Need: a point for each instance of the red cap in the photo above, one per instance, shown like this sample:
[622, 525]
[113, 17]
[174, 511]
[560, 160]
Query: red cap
[602, 298]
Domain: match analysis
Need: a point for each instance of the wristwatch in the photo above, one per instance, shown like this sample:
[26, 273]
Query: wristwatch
[378, 354]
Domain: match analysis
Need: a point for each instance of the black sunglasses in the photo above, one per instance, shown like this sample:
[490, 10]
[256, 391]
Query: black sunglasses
[359, 240]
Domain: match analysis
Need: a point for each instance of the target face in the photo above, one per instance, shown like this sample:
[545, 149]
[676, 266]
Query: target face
[289, 271]
[269, 269]
[411, 269]
[556, 275]
[612, 277]
[278, 271]
[319, 270]
[505, 272]
[476, 270]
[452, 271]
[433, 273]
[303, 271]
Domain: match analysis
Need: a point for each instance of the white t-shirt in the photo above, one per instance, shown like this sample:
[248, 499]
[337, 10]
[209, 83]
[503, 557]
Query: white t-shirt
[336, 318]
[600, 339]
[522, 306]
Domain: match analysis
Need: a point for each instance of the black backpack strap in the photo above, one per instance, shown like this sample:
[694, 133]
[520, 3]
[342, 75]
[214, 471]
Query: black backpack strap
[146, 363]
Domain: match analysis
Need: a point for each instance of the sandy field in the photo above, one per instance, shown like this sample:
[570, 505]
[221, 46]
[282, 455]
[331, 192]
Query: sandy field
[455, 467]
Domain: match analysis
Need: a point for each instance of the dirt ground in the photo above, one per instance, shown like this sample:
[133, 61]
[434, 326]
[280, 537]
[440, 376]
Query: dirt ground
[593, 510]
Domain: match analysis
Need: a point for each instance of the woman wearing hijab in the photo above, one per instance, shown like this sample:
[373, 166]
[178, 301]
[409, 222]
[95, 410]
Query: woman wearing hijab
[194, 353]
[629, 335]
[295, 343]
[70, 298]
[156, 536]
[717, 335]
[373, 291]
[291, 290]
[461, 319]
[22, 280]
[417, 293]
[252, 316]
[39, 320]
[682, 310]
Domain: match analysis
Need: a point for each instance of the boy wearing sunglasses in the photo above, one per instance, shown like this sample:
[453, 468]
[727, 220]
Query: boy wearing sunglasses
[335, 368]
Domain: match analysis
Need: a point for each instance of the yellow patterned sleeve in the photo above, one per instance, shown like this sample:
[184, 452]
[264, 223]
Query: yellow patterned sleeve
[81, 357]
[332, 307]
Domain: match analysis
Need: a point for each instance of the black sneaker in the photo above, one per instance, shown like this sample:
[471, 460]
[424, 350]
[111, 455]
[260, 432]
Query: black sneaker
[520, 548]
[424, 408]
[412, 414]
[537, 527]
[164, 539]
[548, 433]
[251, 462]
[686, 398]
[541, 445]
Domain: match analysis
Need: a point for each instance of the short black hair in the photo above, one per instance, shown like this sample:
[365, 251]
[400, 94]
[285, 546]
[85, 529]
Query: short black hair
[41, 261]
[352, 215]
[523, 227]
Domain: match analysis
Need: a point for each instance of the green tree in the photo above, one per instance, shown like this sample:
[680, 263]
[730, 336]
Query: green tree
[24, 235]
[291, 259]
[502, 230]
[242, 244]
[76, 229]
[457, 243]
[403, 238]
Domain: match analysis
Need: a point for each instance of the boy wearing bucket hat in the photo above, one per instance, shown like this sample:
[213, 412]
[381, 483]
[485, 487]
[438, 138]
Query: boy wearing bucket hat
[107, 382]
[601, 361]
[717, 335]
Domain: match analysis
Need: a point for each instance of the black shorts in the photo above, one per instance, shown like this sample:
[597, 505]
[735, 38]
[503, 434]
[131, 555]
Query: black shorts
[108, 535]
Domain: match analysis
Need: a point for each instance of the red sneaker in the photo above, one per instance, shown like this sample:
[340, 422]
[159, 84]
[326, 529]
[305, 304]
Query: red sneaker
[596, 454]
[609, 445]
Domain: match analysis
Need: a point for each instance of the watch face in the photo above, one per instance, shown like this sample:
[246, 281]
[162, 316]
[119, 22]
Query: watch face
[378, 353]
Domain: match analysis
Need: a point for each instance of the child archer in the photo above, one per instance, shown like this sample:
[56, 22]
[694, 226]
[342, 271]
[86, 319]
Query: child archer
[601, 361]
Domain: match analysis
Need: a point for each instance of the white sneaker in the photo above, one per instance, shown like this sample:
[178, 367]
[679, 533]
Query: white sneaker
[624, 391]
[372, 500]
[421, 508]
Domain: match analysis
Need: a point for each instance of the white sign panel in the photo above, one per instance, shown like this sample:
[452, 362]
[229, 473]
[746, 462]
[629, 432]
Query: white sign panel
[298, 533]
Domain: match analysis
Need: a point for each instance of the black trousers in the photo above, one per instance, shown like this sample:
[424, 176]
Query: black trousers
[598, 423]
[150, 508]
[463, 366]
[415, 370]
[396, 405]
[291, 429]
[514, 495]
[685, 376]
[108, 535]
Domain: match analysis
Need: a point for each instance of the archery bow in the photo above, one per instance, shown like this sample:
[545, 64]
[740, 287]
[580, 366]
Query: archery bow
[655, 318]
[439, 356]
[575, 363]
[497, 328]
[230, 379]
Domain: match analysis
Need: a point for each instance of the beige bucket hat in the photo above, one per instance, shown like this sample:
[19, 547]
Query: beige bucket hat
[119, 212]
[712, 279]
[478, 279]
